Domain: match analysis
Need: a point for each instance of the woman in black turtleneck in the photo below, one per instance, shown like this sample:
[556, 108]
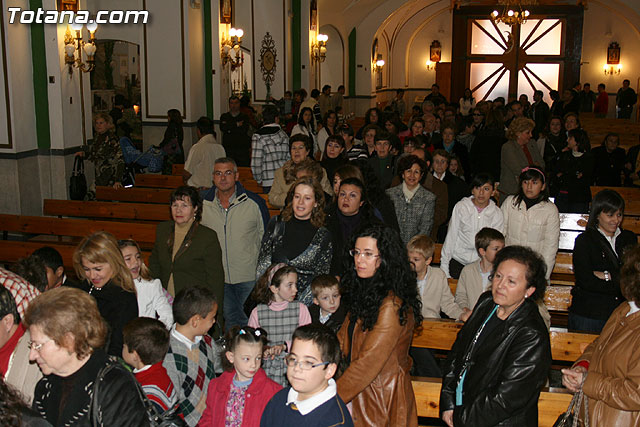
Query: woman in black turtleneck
[530, 219]
[351, 210]
[297, 237]
[334, 155]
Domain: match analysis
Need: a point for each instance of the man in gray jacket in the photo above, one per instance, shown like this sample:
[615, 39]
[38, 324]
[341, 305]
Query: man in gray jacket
[239, 217]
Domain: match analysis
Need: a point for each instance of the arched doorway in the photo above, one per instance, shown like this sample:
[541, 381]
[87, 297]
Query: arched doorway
[332, 69]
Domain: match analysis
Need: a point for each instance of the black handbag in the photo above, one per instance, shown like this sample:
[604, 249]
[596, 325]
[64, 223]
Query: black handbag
[571, 418]
[78, 182]
[169, 418]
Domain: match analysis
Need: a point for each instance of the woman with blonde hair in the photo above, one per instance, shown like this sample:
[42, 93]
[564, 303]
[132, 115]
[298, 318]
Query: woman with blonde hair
[68, 335]
[105, 153]
[98, 261]
[519, 152]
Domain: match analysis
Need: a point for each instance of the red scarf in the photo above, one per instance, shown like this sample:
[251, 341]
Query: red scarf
[7, 350]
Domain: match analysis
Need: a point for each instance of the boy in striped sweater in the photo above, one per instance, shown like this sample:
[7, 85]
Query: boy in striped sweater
[191, 359]
[146, 342]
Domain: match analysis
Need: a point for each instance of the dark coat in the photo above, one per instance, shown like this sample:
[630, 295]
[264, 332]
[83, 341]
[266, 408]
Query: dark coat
[608, 167]
[118, 403]
[198, 262]
[335, 321]
[235, 138]
[116, 306]
[592, 297]
[486, 151]
[462, 153]
[507, 369]
[576, 175]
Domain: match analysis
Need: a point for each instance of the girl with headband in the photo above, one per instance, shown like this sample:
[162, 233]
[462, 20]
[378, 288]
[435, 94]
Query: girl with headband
[279, 315]
[530, 219]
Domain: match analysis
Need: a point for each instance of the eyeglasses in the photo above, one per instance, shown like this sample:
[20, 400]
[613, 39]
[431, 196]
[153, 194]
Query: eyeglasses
[367, 255]
[227, 173]
[37, 347]
[476, 114]
[305, 365]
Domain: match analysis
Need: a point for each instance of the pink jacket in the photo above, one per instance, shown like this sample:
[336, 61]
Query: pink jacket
[258, 395]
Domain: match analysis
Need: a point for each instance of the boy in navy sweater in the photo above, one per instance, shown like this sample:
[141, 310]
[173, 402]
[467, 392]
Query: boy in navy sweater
[312, 400]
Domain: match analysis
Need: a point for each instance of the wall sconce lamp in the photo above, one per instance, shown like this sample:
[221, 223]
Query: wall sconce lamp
[74, 46]
[612, 69]
[431, 65]
[233, 42]
[379, 64]
[319, 48]
[613, 65]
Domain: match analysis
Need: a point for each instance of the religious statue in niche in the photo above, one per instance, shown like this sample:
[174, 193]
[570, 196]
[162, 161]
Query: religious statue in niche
[268, 59]
[226, 10]
[313, 25]
[68, 5]
[435, 51]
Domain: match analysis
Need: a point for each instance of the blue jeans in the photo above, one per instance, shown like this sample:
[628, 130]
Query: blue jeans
[579, 323]
[235, 294]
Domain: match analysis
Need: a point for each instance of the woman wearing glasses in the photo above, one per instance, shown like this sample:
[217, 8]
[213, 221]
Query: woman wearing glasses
[67, 337]
[382, 294]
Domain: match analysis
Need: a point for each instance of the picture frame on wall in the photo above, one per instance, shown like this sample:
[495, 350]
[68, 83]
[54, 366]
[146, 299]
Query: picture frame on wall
[613, 53]
[67, 5]
[313, 25]
[435, 51]
[226, 11]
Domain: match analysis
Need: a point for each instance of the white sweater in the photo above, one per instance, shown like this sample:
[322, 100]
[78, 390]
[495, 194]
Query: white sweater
[537, 227]
[465, 223]
[152, 300]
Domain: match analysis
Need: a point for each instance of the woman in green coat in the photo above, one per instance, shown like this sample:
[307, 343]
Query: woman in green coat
[186, 253]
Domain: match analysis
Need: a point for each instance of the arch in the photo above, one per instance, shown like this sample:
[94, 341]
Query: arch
[332, 69]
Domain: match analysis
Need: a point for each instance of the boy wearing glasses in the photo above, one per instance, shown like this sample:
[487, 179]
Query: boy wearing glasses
[312, 399]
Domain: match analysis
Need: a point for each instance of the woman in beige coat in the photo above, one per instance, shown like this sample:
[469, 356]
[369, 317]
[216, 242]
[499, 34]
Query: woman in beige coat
[611, 363]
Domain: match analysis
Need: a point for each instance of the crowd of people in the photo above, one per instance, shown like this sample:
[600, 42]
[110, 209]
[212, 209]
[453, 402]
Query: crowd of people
[307, 317]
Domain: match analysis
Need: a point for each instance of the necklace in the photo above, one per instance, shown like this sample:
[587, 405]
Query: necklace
[94, 288]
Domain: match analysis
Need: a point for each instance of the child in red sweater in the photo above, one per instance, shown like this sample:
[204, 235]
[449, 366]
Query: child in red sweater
[239, 395]
[146, 342]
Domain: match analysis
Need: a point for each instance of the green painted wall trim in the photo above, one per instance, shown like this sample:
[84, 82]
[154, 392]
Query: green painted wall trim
[40, 91]
[208, 57]
[296, 34]
[352, 63]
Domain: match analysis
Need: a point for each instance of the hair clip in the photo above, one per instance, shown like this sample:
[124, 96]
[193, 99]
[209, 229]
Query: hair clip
[257, 333]
[242, 332]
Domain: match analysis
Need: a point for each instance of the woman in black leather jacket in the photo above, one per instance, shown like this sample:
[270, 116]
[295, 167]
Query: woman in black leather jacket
[502, 355]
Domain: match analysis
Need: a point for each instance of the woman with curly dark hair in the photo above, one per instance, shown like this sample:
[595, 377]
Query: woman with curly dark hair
[297, 236]
[384, 307]
[14, 412]
[502, 355]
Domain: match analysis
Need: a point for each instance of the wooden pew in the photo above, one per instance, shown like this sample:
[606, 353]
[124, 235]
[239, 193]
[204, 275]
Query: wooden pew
[556, 297]
[177, 169]
[578, 222]
[140, 195]
[142, 233]
[11, 251]
[562, 271]
[440, 334]
[552, 402]
[107, 210]
[175, 181]
[630, 195]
